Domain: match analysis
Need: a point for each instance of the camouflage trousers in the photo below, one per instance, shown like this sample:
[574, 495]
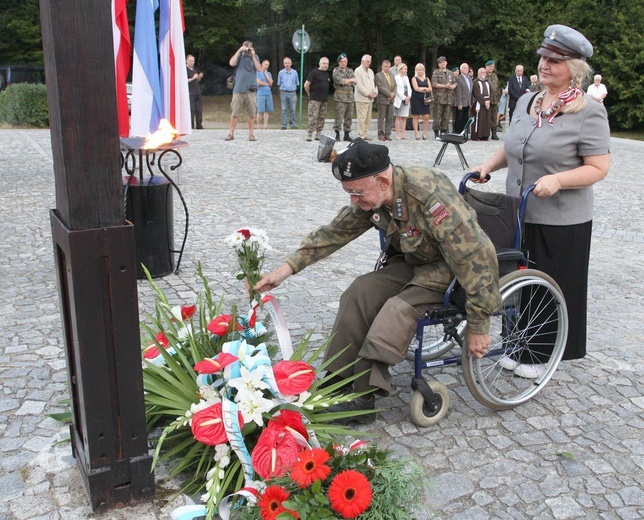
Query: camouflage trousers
[441, 115]
[317, 114]
[494, 116]
[377, 321]
[343, 116]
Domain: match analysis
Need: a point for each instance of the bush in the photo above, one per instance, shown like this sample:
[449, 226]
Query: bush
[24, 104]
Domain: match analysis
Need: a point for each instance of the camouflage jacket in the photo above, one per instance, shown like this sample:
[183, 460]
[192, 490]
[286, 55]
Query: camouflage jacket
[343, 93]
[443, 96]
[435, 230]
[495, 93]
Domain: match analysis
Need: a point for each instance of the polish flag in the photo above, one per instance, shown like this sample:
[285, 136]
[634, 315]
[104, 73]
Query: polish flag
[122, 48]
[147, 106]
[174, 76]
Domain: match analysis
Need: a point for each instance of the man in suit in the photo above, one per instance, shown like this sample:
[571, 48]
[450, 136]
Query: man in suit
[517, 86]
[462, 98]
[386, 85]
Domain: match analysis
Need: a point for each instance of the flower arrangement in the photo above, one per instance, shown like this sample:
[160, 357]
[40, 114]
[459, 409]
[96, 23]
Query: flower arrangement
[250, 245]
[358, 481]
[231, 417]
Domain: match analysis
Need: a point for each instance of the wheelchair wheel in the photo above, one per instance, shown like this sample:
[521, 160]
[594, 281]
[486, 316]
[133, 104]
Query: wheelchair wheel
[421, 413]
[434, 345]
[533, 315]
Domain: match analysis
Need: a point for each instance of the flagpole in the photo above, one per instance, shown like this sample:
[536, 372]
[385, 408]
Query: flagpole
[301, 69]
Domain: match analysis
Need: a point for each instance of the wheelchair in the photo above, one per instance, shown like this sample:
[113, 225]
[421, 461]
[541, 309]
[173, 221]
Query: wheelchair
[533, 314]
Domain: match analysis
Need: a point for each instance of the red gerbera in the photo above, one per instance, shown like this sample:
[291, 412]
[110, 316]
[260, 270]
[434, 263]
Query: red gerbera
[293, 377]
[162, 339]
[219, 325]
[216, 364]
[270, 503]
[274, 453]
[310, 467]
[188, 311]
[208, 425]
[350, 493]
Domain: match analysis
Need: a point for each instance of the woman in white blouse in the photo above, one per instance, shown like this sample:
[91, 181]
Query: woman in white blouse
[401, 101]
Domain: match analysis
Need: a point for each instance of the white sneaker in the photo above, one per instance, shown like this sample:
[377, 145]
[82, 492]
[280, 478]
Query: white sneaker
[531, 371]
[508, 363]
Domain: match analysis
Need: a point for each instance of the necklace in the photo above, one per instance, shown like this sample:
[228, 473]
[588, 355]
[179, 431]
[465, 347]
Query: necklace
[563, 99]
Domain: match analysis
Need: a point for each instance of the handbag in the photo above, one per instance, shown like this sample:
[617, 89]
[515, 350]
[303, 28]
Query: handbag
[230, 82]
[428, 98]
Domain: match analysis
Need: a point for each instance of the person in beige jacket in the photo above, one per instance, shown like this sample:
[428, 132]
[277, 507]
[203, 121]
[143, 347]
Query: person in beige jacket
[365, 92]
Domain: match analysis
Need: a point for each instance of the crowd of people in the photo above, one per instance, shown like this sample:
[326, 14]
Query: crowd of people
[475, 103]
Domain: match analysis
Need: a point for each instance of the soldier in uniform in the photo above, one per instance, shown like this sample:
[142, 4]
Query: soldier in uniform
[343, 82]
[431, 236]
[495, 97]
[443, 84]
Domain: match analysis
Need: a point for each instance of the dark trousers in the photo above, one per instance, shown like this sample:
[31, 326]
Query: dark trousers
[196, 110]
[460, 119]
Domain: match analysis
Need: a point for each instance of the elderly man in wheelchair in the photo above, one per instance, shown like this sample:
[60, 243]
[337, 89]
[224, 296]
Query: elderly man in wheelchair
[430, 236]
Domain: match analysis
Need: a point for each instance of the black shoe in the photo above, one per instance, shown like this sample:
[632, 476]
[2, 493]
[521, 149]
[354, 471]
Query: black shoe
[200, 127]
[346, 137]
[337, 135]
[494, 136]
[436, 134]
[358, 404]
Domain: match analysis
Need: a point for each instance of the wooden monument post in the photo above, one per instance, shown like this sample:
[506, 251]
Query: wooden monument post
[95, 255]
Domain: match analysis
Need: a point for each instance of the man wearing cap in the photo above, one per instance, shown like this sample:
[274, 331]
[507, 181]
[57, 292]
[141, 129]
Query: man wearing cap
[495, 97]
[343, 81]
[517, 86]
[431, 236]
[443, 85]
[365, 93]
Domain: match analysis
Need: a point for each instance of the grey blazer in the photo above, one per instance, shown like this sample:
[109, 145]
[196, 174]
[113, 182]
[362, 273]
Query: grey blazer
[462, 92]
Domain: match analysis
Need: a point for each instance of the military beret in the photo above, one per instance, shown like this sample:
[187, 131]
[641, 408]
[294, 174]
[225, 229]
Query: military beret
[565, 43]
[441, 58]
[490, 62]
[455, 69]
[343, 55]
[360, 159]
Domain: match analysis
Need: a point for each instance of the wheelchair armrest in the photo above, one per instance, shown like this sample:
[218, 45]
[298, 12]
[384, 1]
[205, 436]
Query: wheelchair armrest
[509, 255]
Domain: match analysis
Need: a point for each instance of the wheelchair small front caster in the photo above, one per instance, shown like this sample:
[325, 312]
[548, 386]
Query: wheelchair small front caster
[426, 414]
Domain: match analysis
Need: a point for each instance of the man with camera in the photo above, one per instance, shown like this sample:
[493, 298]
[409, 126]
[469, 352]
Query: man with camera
[246, 64]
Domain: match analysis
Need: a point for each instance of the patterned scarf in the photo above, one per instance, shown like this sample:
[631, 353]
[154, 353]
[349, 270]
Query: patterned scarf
[564, 98]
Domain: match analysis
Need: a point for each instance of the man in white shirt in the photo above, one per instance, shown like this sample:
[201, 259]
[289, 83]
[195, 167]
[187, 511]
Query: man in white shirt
[597, 90]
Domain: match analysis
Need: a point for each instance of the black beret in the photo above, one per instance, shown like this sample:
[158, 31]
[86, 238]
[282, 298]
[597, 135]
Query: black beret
[360, 159]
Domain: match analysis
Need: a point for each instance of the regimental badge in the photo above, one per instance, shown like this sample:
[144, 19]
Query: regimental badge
[553, 35]
[336, 173]
[411, 231]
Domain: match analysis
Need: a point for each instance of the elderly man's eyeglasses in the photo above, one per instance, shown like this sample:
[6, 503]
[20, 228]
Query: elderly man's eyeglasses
[359, 193]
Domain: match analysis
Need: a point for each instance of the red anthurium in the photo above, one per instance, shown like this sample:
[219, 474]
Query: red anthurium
[188, 311]
[289, 420]
[274, 453]
[151, 352]
[219, 325]
[216, 364]
[244, 232]
[208, 425]
[293, 377]
[162, 339]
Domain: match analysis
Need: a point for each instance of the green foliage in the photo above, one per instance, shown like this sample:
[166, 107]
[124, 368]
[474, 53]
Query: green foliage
[24, 104]
[20, 36]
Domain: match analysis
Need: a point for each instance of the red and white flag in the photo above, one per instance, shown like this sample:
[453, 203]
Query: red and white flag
[174, 76]
[122, 48]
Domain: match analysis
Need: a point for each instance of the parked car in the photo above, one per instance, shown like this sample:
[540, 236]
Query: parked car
[10, 74]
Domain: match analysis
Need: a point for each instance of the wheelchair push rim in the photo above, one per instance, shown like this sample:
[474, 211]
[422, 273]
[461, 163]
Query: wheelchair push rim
[533, 314]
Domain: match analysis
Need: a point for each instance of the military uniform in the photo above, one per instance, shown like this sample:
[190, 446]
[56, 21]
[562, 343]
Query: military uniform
[443, 99]
[343, 98]
[495, 99]
[434, 236]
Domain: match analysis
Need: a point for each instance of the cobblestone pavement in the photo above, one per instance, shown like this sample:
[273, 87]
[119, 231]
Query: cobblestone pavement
[479, 463]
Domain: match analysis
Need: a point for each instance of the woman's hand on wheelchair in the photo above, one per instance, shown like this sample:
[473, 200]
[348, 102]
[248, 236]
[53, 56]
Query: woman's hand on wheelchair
[478, 344]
